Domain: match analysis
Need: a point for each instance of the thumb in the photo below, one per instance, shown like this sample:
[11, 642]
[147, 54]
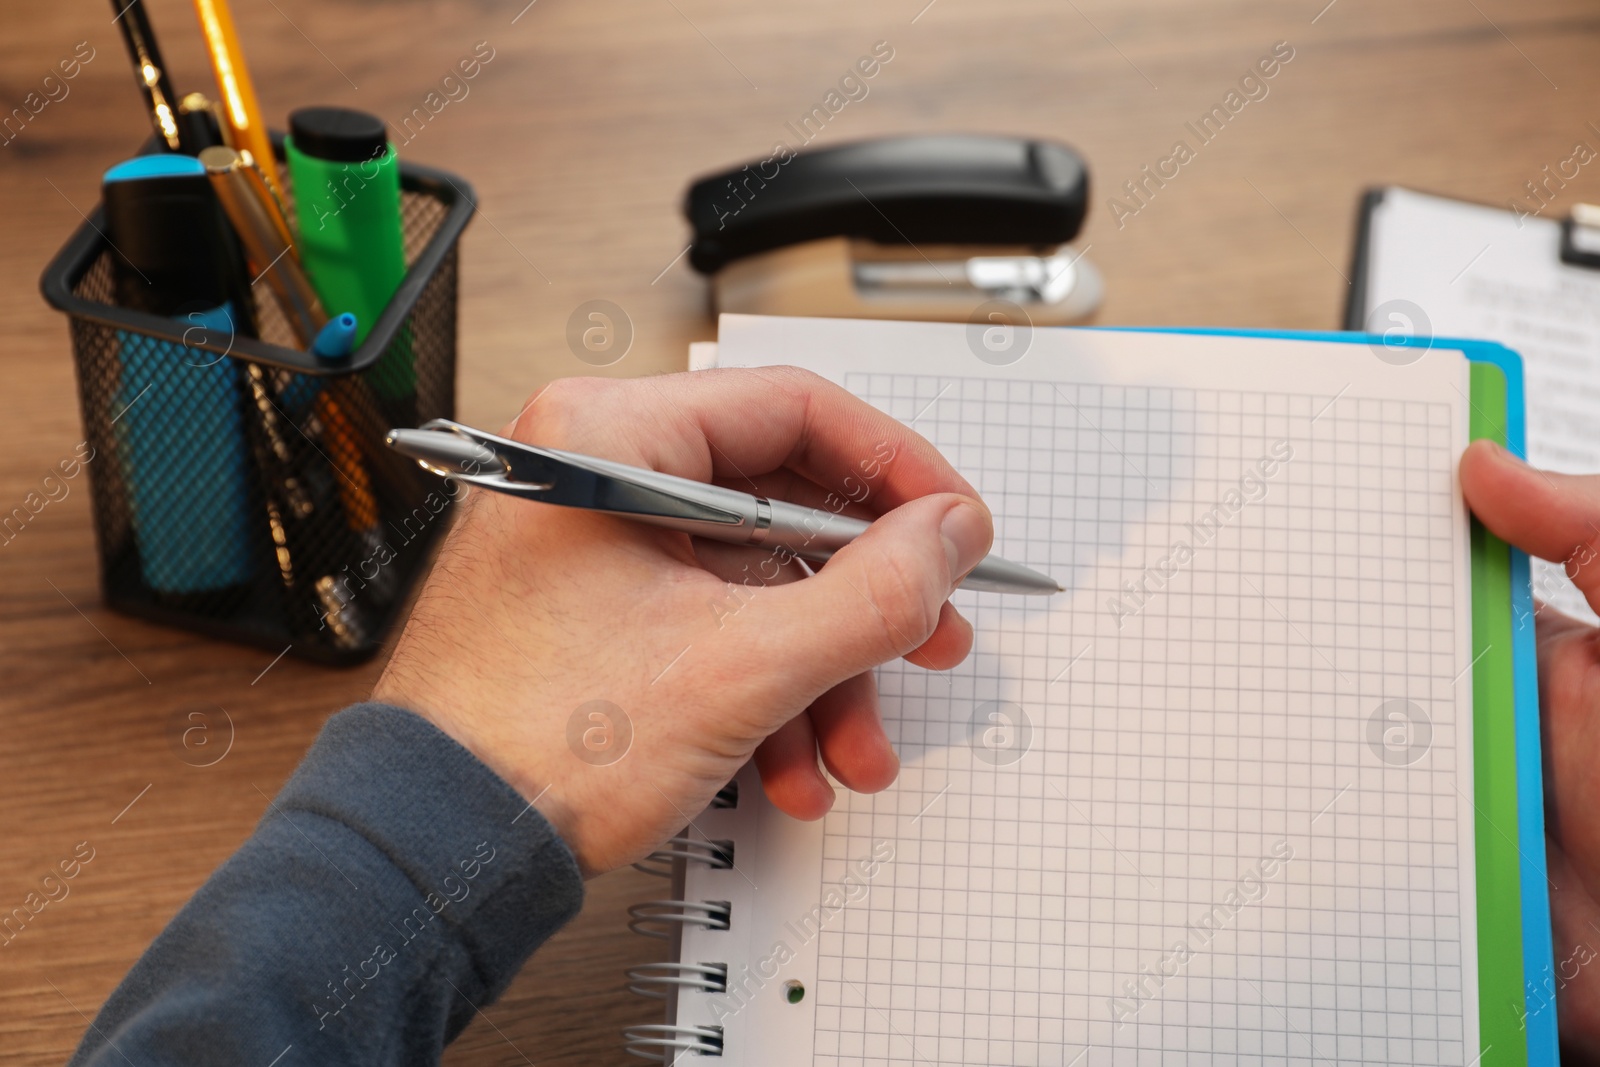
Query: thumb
[1548, 515]
[878, 598]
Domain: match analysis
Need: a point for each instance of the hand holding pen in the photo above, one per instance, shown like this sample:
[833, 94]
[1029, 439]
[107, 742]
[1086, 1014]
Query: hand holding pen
[730, 651]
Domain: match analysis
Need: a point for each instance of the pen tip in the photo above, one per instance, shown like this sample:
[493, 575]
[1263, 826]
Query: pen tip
[1060, 588]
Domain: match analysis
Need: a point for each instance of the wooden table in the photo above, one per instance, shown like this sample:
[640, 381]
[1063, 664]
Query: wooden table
[580, 134]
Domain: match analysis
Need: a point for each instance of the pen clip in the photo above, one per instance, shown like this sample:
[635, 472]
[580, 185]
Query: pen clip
[554, 477]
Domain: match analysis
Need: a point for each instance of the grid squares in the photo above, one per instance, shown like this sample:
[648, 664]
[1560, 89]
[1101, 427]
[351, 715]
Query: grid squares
[1212, 723]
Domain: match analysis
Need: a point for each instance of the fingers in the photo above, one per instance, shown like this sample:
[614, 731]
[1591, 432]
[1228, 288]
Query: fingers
[753, 566]
[793, 782]
[949, 645]
[814, 427]
[736, 424]
[850, 735]
[788, 486]
[844, 724]
[879, 597]
[1571, 732]
[1575, 916]
[1552, 516]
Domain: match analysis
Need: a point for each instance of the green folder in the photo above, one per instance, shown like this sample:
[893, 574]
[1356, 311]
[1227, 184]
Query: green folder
[1502, 999]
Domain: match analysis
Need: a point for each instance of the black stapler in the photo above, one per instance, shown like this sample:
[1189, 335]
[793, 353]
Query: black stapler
[917, 227]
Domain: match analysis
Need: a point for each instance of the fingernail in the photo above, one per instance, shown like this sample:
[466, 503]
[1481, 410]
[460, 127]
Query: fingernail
[966, 534]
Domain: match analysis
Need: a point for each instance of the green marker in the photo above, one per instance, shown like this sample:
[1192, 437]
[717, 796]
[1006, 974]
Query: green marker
[347, 204]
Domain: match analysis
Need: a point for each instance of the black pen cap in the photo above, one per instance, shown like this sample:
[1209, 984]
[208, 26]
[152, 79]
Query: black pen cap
[171, 248]
[198, 125]
[338, 134]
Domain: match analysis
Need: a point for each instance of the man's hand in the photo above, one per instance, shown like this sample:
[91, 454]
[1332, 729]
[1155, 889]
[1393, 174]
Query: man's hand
[705, 654]
[1557, 517]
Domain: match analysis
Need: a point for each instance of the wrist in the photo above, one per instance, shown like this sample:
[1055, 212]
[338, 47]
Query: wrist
[529, 768]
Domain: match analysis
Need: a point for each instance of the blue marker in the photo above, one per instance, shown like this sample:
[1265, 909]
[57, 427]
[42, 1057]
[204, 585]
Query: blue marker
[337, 338]
[180, 431]
[335, 341]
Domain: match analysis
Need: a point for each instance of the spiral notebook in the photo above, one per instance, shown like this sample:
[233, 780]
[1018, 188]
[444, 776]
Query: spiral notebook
[1217, 801]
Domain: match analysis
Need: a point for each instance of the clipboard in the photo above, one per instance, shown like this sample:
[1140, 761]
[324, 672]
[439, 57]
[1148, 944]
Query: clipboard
[1576, 239]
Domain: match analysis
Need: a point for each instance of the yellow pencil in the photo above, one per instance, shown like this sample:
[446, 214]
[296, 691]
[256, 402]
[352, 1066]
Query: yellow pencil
[242, 113]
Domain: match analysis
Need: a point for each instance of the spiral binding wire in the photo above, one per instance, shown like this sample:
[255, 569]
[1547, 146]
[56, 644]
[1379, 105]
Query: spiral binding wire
[655, 980]
[666, 920]
[666, 915]
[718, 855]
[661, 1043]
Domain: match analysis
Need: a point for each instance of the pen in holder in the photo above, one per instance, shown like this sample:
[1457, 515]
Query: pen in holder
[218, 451]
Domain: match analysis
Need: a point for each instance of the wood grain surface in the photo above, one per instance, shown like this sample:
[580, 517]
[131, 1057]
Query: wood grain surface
[580, 135]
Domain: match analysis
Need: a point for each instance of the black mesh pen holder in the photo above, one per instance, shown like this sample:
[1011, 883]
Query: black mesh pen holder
[240, 486]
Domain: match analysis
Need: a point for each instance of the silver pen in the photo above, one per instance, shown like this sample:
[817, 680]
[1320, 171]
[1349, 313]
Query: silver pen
[568, 479]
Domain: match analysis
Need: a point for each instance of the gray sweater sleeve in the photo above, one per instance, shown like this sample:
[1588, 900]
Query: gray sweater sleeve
[395, 885]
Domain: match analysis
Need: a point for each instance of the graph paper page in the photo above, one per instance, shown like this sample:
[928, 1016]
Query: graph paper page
[1210, 805]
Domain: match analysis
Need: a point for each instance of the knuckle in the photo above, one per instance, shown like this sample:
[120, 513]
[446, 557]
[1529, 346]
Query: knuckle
[795, 383]
[555, 413]
[796, 378]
